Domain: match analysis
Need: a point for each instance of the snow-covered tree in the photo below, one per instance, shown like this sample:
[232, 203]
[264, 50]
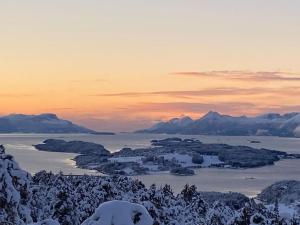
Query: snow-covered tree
[64, 209]
[258, 219]
[120, 213]
[189, 192]
[46, 222]
[57, 199]
[14, 191]
[220, 214]
[83, 194]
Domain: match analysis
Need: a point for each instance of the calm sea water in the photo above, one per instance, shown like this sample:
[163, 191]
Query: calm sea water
[247, 181]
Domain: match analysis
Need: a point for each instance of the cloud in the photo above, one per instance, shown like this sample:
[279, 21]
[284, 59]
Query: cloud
[244, 75]
[280, 108]
[90, 81]
[233, 108]
[59, 109]
[191, 107]
[16, 95]
[208, 92]
[183, 94]
[145, 114]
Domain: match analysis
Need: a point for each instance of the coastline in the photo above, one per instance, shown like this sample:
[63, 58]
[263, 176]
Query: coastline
[210, 179]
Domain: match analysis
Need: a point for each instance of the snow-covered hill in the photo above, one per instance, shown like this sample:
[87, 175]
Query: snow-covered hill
[43, 123]
[172, 125]
[213, 123]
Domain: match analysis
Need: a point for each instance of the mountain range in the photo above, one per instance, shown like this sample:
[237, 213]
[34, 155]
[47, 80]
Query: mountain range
[214, 123]
[43, 123]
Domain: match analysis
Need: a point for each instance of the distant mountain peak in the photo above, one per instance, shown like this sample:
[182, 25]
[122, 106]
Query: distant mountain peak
[48, 116]
[181, 119]
[291, 115]
[42, 123]
[270, 116]
[273, 116]
[212, 115]
[43, 115]
[214, 123]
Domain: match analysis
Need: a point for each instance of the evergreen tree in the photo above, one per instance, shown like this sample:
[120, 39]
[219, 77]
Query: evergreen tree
[220, 214]
[65, 210]
[189, 192]
[14, 191]
[276, 207]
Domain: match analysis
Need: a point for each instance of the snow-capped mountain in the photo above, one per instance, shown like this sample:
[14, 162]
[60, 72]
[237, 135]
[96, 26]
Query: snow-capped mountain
[43, 123]
[214, 123]
[172, 125]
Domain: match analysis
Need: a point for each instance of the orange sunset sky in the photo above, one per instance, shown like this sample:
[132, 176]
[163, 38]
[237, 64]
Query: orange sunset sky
[124, 65]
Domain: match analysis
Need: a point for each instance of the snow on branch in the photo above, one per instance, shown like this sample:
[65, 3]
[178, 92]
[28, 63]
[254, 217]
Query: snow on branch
[120, 213]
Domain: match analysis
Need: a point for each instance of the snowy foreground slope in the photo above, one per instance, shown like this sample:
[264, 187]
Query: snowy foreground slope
[53, 199]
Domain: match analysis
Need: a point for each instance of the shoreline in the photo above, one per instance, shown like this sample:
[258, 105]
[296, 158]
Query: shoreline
[34, 161]
[143, 178]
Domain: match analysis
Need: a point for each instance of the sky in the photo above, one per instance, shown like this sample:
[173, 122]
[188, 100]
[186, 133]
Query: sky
[125, 65]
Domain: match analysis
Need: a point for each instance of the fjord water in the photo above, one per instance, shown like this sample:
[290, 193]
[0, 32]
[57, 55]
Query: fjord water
[246, 181]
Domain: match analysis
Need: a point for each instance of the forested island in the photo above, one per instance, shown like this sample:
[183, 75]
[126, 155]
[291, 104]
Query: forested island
[175, 155]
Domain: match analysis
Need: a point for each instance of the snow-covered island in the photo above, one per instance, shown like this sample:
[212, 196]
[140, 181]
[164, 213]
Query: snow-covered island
[56, 199]
[175, 155]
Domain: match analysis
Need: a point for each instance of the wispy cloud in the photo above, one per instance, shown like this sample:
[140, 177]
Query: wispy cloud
[191, 107]
[90, 81]
[148, 113]
[292, 90]
[59, 109]
[16, 95]
[280, 108]
[186, 94]
[244, 75]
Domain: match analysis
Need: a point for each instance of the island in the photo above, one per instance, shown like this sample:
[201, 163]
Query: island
[174, 155]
